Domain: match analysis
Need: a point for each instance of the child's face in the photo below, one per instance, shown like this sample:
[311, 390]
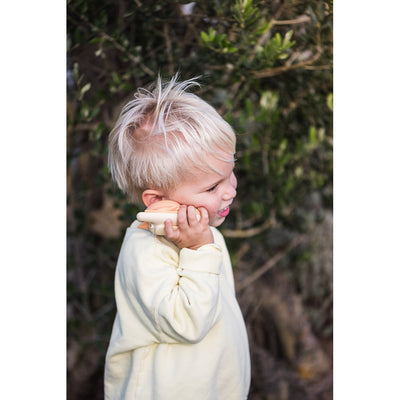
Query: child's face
[210, 190]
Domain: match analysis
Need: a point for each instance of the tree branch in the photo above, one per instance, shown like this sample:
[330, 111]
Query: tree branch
[246, 233]
[117, 45]
[269, 264]
[123, 50]
[299, 20]
[169, 48]
[278, 70]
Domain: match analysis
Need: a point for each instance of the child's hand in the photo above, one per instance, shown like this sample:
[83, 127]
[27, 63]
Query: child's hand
[191, 232]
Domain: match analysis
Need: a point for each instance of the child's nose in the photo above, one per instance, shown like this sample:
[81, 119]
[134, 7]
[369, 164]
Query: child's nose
[231, 190]
[234, 181]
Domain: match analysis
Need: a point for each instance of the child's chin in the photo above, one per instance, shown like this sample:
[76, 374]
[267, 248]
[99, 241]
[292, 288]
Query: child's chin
[217, 221]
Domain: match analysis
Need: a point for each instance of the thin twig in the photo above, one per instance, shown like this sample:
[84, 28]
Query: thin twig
[269, 264]
[117, 45]
[272, 23]
[169, 48]
[299, 20]
[123, 50]
[318, 67]
[246, 233]
[278, 70]
[294, 104]
[287, 67]
[222, 110]
[260, 42]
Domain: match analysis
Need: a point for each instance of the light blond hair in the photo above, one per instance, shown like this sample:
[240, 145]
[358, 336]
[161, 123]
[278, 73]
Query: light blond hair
[163, 135]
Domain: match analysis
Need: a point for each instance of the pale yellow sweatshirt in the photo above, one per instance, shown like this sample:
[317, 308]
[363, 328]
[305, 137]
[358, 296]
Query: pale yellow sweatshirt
[179, 333]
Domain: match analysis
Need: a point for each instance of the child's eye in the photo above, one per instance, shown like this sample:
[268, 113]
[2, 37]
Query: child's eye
[212, 188]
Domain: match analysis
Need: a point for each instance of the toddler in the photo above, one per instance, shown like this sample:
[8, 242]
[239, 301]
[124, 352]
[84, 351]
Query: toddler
[179, 333]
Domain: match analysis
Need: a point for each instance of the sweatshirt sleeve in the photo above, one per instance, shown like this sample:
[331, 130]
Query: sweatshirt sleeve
[175, 294]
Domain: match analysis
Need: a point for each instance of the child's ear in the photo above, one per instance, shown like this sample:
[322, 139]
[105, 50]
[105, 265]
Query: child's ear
[150, 196]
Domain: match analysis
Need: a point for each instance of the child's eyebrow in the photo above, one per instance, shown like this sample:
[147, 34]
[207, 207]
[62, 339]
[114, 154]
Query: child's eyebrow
[223, 177]
[213, 184]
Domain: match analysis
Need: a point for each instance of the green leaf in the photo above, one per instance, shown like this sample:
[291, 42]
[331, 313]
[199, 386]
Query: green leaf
[321, 134]
[312, 135]
[84, 89]
[263, 27]
[286, 41]
[298, 172]
[211, 33]
[204, 37]
[269, 101]
[278, 39]
[329, 101]
[230, 49]
[282, 147]
[249, 108]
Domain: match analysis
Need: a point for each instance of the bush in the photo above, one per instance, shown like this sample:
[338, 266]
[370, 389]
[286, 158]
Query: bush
[267, 68]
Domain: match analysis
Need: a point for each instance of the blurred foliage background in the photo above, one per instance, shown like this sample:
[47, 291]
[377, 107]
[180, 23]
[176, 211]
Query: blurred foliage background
[266, 66]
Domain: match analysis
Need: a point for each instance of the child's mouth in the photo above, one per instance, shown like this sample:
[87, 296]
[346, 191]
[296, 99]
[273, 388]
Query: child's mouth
[223, 213]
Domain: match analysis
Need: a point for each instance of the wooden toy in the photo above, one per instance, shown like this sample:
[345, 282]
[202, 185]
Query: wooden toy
[156, 214]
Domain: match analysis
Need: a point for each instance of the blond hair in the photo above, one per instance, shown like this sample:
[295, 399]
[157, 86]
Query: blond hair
[162, 135]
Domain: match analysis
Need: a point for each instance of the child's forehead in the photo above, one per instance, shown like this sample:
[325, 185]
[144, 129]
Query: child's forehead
[218, 157]
[219, 164]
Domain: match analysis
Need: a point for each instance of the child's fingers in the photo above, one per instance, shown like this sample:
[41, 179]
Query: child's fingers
[191, 215]
[171, 230]
[182, 217]
[204, 215]
[168, 228]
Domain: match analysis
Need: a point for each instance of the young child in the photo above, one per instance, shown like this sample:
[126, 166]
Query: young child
[179, 333]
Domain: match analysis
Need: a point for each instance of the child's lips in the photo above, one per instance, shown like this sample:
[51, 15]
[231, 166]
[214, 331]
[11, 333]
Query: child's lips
[223, 213]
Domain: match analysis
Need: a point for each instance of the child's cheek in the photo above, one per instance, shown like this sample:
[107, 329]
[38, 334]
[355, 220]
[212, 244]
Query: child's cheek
[214, 217]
